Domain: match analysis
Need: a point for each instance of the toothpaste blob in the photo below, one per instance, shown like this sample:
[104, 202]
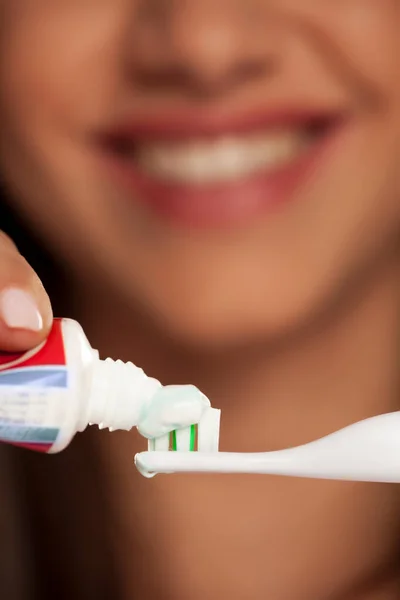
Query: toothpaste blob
[49, 394]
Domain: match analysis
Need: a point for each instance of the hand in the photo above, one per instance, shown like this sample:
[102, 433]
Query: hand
[25, 310]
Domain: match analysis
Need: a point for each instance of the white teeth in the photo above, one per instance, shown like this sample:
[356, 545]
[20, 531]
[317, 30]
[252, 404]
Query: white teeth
[228, 159]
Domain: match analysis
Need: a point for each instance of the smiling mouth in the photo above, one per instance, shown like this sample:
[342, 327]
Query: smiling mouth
[209, 161]
[210, 173]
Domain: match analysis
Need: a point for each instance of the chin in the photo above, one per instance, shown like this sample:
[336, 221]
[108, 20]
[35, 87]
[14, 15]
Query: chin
[237, 325]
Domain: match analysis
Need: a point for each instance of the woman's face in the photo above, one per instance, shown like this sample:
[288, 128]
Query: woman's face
[230, 166]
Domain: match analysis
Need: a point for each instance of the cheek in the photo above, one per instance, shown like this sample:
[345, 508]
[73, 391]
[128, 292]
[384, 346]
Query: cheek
[58, 71]
[357, 38]
[57, 81]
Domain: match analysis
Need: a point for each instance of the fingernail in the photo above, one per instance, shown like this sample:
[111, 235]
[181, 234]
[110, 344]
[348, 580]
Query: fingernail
[18, 310]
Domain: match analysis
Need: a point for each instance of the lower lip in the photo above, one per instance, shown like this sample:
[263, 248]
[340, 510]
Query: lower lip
[228, 204]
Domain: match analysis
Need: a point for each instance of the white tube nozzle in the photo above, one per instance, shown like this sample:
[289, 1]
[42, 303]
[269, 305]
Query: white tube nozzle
[366, 451]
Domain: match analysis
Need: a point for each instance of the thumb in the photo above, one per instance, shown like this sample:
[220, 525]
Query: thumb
[25, 310]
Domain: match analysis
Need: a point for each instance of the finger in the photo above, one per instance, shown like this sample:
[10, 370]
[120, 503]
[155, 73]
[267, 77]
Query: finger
[25, 309]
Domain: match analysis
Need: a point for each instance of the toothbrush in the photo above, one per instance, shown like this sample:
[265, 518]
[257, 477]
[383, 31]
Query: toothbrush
[366, 451]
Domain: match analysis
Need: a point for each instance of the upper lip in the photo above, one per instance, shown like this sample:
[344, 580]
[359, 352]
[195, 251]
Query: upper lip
[189, 125]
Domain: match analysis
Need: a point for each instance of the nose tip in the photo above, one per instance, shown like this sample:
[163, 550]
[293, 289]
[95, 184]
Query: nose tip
[216, 55]
[204, 47]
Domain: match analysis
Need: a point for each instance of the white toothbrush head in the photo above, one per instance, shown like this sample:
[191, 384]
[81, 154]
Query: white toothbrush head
[203, 437]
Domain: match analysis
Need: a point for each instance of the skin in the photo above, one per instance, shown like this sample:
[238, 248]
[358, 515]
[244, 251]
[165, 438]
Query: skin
[311, 292]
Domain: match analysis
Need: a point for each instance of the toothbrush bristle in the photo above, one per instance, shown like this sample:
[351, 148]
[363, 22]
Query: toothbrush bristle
[160, 444]
[203, 437]
[208, 432]
[183, 437]
[193, 438]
